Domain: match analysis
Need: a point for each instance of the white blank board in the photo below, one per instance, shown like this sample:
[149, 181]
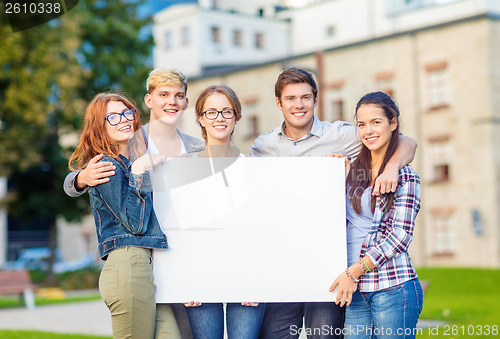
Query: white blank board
[262, 230]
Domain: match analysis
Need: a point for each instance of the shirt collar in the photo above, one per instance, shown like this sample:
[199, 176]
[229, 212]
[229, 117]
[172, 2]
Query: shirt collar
[316, 129]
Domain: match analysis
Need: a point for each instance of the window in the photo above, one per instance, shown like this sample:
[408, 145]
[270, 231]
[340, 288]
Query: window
[337, 104]
[251, 126]
[330, 31]
[443, 234]
[237, 38]
[401, 6]
[259, 40]
[385, 83]
[336, 101]
[169, 40]
[438, 86]
[185, 36]
[216, 34]
[441, 158]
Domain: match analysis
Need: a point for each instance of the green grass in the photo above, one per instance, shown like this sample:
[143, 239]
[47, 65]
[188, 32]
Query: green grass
[13, 301]
[467, 299]
[8, 334]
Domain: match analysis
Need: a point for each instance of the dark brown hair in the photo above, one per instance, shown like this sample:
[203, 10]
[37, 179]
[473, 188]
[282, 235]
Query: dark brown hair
[360, 176]
[294, 76]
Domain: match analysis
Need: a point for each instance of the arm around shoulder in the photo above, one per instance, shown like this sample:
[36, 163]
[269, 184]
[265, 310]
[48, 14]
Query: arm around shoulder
[128, 197]
[351, 144]
[70, 185]
[405, 153]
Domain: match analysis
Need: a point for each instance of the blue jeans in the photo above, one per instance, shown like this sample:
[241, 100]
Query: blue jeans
[284, 320]
[389, 313]
[243, 322]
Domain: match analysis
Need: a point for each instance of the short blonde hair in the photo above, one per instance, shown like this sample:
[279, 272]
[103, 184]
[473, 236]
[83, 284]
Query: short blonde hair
[165, 77]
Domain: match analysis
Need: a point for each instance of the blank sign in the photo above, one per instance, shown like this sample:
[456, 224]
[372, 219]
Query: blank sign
[260, 229]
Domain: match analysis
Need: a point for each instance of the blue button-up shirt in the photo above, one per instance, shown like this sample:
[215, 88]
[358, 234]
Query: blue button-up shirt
[324, 138]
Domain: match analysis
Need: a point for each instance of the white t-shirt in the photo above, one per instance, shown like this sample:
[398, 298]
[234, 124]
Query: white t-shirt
[162, 201]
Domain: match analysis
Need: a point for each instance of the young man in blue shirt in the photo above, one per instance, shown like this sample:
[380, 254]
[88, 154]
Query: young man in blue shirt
[302, 134]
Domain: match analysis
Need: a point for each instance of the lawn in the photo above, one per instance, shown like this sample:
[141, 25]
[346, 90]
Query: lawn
[8, 334]
[13, 301]
[467, 299]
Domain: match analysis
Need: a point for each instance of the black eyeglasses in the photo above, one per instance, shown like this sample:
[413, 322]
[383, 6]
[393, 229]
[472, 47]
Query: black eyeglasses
[213, 114]
[115, 118]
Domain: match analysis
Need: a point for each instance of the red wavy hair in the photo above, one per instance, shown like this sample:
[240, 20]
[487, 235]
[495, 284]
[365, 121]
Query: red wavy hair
[94, 139]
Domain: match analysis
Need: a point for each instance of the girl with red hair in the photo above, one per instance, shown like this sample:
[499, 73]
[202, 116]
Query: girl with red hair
[126, 225]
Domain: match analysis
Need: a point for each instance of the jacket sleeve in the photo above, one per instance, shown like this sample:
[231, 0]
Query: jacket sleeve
[70, 187]
[128, 198]
[400, 223]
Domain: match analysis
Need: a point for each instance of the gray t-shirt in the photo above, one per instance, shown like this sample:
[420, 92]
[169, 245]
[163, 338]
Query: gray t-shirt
[324, 138]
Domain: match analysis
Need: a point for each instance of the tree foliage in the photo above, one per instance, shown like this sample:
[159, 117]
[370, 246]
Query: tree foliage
[47, 76]
[49, 73]
[116, 46]
[38, 89]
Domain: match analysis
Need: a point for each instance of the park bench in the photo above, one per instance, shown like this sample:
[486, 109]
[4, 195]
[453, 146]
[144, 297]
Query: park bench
[18, 282]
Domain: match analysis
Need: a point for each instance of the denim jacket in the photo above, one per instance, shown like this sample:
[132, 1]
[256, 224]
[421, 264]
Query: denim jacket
[123, 211]
[192, 144]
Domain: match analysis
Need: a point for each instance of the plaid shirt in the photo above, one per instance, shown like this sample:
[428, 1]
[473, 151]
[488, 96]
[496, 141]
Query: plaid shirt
[390, 236]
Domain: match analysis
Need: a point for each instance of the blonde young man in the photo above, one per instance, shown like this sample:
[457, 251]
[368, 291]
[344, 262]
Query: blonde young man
[166, 99]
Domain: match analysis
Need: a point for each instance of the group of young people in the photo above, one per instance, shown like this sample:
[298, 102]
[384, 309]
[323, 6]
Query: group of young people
[378, 295]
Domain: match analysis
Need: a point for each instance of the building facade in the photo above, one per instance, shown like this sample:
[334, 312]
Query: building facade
[439, 59]
[200, 40]
[445, 77]
[202, 37]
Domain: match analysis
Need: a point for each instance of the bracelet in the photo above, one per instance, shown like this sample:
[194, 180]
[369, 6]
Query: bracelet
[363, 268]
[349, 275]
[361, 260]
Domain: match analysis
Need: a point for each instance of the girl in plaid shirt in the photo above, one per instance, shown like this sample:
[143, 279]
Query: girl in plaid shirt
[380, 286]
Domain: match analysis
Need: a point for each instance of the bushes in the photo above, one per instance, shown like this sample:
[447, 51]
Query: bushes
[87, 278]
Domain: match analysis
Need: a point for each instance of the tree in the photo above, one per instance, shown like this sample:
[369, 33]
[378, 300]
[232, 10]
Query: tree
[38, 93]
[48, 74]
[116, 46]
